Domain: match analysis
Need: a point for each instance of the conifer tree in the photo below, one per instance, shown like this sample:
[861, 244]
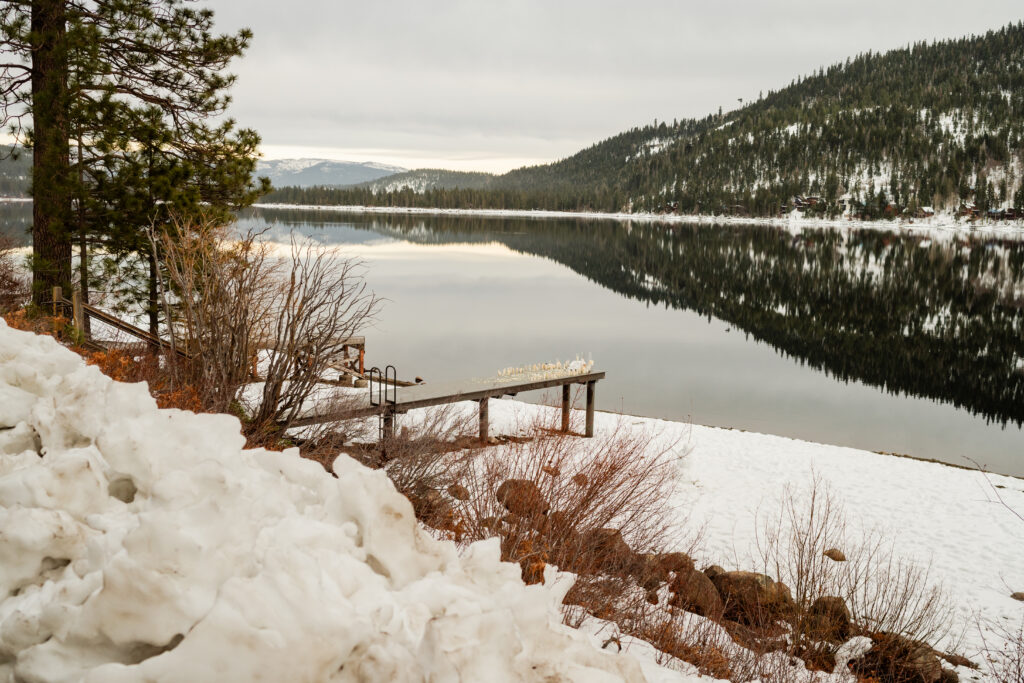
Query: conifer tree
[131, 86]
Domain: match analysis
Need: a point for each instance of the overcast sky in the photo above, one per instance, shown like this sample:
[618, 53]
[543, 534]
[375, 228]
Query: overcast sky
[495, 85]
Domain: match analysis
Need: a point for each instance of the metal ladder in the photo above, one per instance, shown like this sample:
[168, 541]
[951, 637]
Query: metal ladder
[387, 395]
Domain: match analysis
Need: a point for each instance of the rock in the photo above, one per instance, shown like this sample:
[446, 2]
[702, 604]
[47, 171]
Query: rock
[580, 479]
[957, 660]
[652, 597]
[896, 658]
[694, 592]
[605, 550]
[679, 563]
[521, 497]
[648, 571]
[835, 554]
[949, 676]
[362, 383]
[493, 441]
[1019, 595]
[550, 471]
[713, 571]
[828, 619]
[752, 598]
[458, 492]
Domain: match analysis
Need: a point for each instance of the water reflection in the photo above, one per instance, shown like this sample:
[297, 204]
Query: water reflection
[937, 319]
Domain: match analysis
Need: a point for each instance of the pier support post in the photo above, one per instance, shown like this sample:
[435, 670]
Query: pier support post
[76, 311]
[565, 407]
[388, 430]
[483, 419]
[591, 386]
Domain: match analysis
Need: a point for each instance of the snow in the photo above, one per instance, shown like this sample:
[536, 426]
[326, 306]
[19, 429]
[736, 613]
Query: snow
[939, 227]
[147, 544]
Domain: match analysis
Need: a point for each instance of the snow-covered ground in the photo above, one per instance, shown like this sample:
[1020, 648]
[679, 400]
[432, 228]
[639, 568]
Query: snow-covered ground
[146, 544]
[940, 226]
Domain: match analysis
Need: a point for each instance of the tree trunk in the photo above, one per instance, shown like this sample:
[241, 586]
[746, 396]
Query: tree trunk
[154, 310]
[51, 189]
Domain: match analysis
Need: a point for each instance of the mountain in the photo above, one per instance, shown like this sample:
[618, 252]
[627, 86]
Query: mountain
[425, 179]
[936, 124]
[326, 172]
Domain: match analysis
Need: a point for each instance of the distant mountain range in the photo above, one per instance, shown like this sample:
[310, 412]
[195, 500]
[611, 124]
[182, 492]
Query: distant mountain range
[936, 124]
[323, 172]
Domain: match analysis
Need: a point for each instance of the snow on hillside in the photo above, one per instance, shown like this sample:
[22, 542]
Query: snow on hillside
[306, 172]
[145, 544]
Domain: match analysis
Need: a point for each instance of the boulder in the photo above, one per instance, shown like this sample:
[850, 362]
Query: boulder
[605, 550]
[828, 619]
[713, 571]
[694, 592]
[835, 555]
[648, 571]
[752, 598]
[521, 497]
[895, 658]
[680, 563]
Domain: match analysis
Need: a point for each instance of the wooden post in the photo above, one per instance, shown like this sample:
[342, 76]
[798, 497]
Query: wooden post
[58, 305]
[76, 311]
[362, 360]
[483, 419]
[590, 408]
[389, 424]
[565, 407]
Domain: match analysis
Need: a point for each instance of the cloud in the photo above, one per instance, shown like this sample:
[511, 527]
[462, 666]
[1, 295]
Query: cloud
[538, 80]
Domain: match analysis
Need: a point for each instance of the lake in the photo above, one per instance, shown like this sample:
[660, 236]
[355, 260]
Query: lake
[877, 340]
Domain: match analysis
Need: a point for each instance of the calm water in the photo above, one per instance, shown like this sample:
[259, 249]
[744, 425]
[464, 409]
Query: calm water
[866, 339]
[869, 339]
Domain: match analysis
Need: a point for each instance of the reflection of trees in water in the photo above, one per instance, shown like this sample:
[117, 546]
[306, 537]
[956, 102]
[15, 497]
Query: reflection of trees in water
[16, 221]
[945, 321]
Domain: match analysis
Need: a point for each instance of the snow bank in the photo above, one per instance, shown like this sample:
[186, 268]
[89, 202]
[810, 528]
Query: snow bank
[146, 544]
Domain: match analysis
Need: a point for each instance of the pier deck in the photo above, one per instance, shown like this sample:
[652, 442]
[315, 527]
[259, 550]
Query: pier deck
[435, 394]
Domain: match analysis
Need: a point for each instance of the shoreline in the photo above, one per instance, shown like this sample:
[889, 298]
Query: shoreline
[940, 225]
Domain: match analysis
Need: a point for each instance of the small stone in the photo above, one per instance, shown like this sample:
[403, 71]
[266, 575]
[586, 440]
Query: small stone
[458, 492]
[1019, 595]
[580, 479]
[550, 471]
[949, 676]
[835, 555]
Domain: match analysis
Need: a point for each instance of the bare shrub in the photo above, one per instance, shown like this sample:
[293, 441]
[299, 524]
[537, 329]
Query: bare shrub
[887, 597]
[244, 313]
[585, 505]
[1003, 649]
[223, 295]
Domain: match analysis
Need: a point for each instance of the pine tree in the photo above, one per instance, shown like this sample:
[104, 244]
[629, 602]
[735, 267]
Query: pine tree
[132, 85]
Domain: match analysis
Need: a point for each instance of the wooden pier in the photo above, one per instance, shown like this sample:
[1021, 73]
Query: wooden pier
[426, 395]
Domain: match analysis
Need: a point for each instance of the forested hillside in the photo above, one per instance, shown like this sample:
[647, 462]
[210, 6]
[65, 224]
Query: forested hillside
[931, 125]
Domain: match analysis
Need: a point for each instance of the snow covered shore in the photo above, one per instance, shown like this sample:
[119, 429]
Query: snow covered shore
[938, 226]
[145, 544]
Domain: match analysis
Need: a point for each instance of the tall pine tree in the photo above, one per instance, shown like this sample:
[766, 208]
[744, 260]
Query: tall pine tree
[132, 87]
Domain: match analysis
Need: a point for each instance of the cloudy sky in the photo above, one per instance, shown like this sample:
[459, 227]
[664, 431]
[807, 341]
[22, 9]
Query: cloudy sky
[495, 85]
